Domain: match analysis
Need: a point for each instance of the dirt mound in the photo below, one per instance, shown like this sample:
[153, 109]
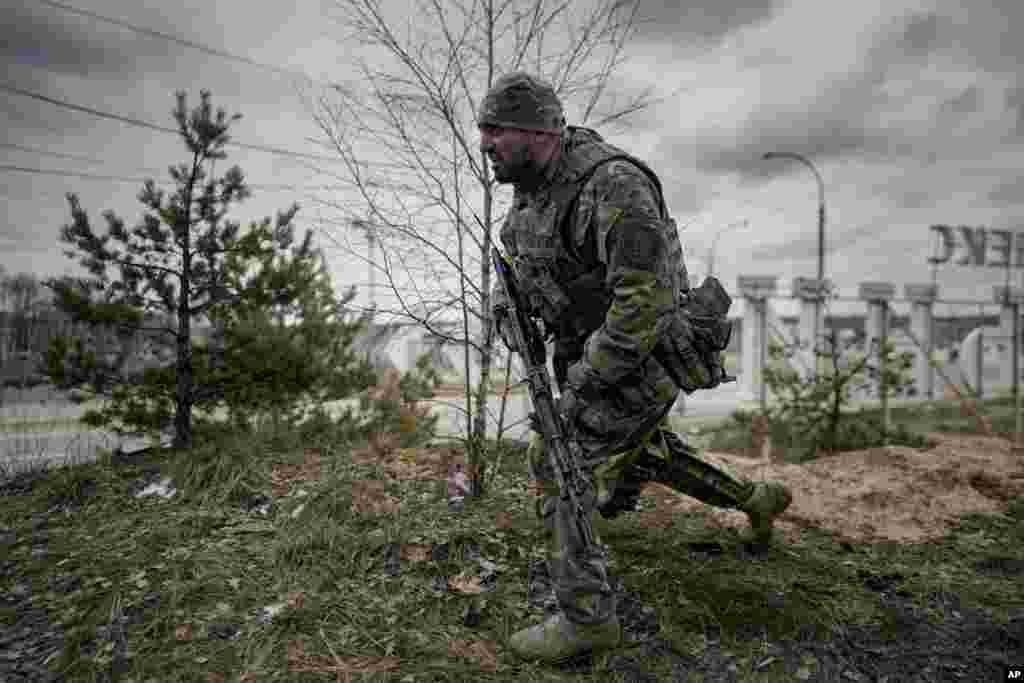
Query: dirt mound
[893, 493]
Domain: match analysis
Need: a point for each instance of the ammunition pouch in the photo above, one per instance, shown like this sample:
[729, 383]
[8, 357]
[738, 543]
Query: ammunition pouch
[543, 295]
[691, 350]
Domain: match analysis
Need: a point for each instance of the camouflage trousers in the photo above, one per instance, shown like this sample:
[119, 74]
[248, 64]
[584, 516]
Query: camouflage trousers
[579, 576]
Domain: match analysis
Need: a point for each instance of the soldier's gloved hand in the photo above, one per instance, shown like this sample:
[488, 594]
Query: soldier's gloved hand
[683, 360]
[582, 384]
[569, 406]
[584, 380]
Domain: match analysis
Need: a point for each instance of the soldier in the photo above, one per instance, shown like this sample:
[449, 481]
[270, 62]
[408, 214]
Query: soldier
[599, 259]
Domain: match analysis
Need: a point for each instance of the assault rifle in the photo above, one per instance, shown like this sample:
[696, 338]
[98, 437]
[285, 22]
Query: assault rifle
[563, 451]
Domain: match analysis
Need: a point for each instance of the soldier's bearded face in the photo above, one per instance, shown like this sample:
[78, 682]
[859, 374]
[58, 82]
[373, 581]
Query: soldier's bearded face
[510, 151]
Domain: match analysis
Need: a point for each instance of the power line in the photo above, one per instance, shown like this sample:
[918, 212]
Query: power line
[95, 176]
[87, 110]
[64, 155]
[173, 131]
[96, 160]
[223, 54]
[126, 179]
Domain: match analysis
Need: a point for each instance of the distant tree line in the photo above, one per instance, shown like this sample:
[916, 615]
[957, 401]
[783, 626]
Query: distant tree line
[30, 322]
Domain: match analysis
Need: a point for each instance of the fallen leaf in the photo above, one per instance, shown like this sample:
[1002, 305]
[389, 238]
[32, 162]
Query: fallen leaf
[464, 583]
[247, 677]
[283, 475]
[298, 661]
[215, 678]
[183, 632]
[368, 496]
[415, 552]
[483, 651]
[503, 520]
[296, 600]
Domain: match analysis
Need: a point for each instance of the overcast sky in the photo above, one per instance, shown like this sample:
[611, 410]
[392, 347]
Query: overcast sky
[912, 111]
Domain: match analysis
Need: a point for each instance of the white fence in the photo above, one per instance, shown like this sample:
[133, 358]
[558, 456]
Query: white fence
[982, 358]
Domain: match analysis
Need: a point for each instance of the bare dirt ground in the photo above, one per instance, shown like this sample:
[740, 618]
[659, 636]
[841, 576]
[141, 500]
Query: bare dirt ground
[893, 493]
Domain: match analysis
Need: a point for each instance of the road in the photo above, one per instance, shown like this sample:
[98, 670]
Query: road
[21, 448]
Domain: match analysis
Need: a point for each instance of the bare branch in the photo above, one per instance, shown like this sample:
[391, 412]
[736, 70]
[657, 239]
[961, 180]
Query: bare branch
[417, 108]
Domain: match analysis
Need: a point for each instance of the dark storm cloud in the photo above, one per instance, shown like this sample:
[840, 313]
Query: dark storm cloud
[800, 248]
[915, 199]
[46, 37]
[966, 102]
[986, 34]
[982, 36]
[703, 20]
[819, 134]
[922, 32]
[806, 246]
[841, 119]
[1015, 108]
[1008, 192]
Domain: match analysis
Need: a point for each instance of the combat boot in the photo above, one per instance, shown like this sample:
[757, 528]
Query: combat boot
[768, 500]
[556, 639]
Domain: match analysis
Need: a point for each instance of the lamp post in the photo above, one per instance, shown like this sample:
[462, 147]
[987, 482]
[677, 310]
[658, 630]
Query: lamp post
[821, 237]
[714, 244]
[821, 204]
[371, 241]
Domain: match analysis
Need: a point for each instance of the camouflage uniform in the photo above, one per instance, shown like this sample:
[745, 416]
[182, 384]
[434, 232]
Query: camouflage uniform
[599, 259]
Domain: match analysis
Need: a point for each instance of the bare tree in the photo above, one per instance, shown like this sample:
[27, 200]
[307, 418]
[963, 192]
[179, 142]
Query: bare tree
[4, 316]
[27, 299]
[432, 204]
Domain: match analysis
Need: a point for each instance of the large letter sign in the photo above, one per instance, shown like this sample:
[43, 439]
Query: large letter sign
[967, 246]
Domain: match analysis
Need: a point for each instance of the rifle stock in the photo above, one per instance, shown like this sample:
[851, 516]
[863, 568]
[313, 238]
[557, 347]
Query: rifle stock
[562, 450]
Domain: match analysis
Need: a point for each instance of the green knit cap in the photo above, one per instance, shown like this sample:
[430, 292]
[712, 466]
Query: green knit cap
[518, 100]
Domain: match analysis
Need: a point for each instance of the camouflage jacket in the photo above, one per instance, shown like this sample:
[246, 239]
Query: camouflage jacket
[600, 261]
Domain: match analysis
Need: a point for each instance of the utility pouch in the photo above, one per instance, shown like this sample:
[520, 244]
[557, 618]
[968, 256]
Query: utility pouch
[691, 351]
[545, 298]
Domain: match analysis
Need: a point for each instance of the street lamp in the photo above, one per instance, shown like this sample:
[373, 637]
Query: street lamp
[821, 205]
[371, 241]
[714, 243]
[819, 287]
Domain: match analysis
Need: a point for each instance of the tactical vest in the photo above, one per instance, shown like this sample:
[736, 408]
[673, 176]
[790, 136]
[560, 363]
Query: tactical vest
[564, 286]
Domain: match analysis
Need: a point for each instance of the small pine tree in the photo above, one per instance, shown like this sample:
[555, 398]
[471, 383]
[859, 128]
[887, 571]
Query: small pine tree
[287, 340]
[815, 411]
[183, 263]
